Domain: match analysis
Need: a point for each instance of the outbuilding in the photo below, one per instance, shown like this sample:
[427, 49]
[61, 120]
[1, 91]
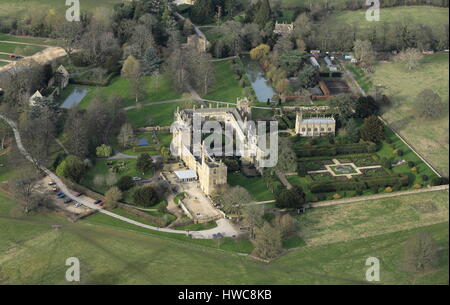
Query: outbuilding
[186, 175]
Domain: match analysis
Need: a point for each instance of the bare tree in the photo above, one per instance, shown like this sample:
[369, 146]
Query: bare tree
[267, 241]
[23, 187]
[126, 135]
[365, 54]
[234, 198]
[253, 217]
[409, 57]
[112, 196]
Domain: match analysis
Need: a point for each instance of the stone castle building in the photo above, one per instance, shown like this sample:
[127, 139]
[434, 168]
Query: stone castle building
[198, 157]
[314, 127]
[283, 28]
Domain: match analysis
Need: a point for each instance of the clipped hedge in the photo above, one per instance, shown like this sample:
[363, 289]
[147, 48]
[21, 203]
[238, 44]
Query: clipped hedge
[336, 149]
[360, 184]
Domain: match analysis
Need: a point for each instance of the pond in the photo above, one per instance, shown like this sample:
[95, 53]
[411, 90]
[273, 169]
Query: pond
[260, 84]
[74, 98]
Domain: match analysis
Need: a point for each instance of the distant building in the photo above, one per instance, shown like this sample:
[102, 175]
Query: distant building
[35, 98]
[62, 77]
[314, 62]
[314, 127]
[198, 42]
[180, 2]
[283, 28]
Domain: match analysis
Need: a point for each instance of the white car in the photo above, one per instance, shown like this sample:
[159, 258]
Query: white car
[77, 205]
[137, 179]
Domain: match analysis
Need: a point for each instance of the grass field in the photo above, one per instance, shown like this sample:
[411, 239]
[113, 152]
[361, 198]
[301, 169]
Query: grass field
[31, 40]
[20, 8]
[368, 218]
[226, 87]
[18, 49]
[31, 252]
[254, 185]
[429, 137]
[156, 90]
[161, 115]
[432, 16]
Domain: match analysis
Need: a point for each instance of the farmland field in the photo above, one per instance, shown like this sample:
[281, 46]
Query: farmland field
[35, 253]
[429, 137]
[19, 8]
[432, 16]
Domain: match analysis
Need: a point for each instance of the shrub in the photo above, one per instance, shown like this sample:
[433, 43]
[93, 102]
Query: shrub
[398, 152]
[388, 189]
[125, 183]
[337, 196]
[436, 181]
[414, 169]
[425, 178]
[411, 164]
[146, 196]
[417, 186]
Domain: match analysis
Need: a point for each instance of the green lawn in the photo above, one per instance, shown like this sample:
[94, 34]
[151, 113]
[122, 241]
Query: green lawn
[325, 225]
[429, 137]
[226, 87]
[431, 16]
[101, 168]
[26, 39]
[162, 115]
[5, 170]
[21, 8]
[254, 185]
[19, 49]
[34, 253]
[156, 90]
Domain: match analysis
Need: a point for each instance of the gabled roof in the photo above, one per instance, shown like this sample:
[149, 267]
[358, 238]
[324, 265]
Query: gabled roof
[37, 94]
[62, 70]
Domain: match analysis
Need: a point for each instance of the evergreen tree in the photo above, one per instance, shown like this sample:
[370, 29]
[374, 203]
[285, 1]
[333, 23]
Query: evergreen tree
[202, 12]
[352, 131]
[372, 130]
[263, 13]
[151, 61]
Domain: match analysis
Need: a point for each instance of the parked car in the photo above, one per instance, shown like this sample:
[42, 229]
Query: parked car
[51, 183]
[78, 194]
[137, 179]
[68, 200]
[77, 205]
[61, 195]
[55, 189]
[97, 201]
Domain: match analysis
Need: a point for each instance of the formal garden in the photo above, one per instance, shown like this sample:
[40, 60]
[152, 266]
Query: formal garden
[328, 169]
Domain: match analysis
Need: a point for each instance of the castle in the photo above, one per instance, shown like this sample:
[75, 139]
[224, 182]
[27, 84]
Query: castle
[314, 127]
[197, 156]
